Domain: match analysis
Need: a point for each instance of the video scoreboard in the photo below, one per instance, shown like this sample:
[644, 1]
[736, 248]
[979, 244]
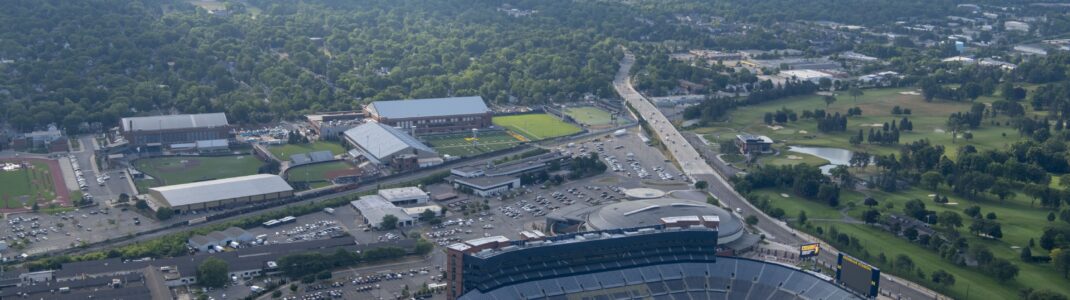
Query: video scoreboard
[857, 275]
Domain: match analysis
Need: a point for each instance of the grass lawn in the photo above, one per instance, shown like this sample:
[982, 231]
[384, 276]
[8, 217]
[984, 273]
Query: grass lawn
[877, 241]
[590, 116]
[317, 172]
[929, 120]
[536, 126]
[791, 158]
[29, 184]
[462, 145]
[185, 169]
[1020, 222]
[283, 152]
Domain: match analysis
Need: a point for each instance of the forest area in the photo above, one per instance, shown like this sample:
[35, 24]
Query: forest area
[74, 63]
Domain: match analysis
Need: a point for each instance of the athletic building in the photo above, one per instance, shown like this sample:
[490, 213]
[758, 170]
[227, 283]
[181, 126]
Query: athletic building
[383, 144]
[227, 192]
[432, 115]
[159, 131]
[671, 261]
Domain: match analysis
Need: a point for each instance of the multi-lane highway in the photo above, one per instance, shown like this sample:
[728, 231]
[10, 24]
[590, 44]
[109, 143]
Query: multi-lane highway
[698, 169]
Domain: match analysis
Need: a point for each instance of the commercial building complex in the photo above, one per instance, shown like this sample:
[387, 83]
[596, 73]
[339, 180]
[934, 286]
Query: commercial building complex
[754, 144]
[331, 125]
[404, 196]
[158, 131]
[671, 261]
[220, 193]
[432, 115]
[374, 209]
[489, 179]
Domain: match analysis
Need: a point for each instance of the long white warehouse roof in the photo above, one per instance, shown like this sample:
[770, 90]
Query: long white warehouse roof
[221, 189]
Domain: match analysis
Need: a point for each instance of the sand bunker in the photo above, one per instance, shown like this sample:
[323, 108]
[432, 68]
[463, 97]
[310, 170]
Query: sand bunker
[803, 132]
[912, 93]
[775, 127]
[784, 195]
[938, 130]
[794, 157]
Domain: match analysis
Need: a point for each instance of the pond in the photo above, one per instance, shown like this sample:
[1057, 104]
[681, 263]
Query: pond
[835, 156]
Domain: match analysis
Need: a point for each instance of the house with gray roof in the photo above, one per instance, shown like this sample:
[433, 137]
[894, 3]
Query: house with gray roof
[437, 115]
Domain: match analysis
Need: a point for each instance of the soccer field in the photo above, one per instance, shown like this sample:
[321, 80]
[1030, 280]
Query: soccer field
[536, 126]
[320, 174]
[185, 169]
[26, 185]
[590, 116]
[461, 144]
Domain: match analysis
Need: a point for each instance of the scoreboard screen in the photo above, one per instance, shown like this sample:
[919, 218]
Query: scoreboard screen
[857, 275]
[809, 250]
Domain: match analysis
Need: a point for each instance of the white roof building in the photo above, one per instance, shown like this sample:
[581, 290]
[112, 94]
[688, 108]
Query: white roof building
[243, 189]
[374, 208]
[405, 195]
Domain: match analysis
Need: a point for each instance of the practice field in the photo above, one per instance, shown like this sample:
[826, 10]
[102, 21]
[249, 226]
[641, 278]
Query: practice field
[26, 185]
[536, 126]
[185, 169]
[462, 144]
[320, 174]
[283, 152]
[590, 116]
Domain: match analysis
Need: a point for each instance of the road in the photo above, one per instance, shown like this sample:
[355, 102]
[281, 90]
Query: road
[698, 169]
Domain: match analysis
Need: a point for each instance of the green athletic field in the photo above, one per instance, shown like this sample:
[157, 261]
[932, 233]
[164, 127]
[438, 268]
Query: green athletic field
[459, 144]
[318, 175]
[185, 169]
[29, 184]
[283, 152]
[536, 126]
[590, 116]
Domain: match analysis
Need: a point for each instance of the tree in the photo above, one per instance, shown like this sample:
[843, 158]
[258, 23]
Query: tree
[1051, 216]
[855, 92]
[711, 200]
[1060, 259]
[427, 215]
[212, 272]
[141, 204]
[389, 222]
[903, 264]
[164, 213]
[1001, 269]
[702, 185]
[1026, 254]
[802, 217]
[871, 216]
[950, 219]
[943, 278]
[973, 211]
[869, 201]
[124, 198]
[751, 220]
[829, 99]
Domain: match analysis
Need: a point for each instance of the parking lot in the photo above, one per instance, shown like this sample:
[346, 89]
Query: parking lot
[40, 232]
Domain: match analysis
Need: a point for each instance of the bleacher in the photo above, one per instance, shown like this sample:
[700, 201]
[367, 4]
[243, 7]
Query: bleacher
[728, 278]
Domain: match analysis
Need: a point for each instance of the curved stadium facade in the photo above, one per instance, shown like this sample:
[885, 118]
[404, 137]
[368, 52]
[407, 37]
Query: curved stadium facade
[670, 261]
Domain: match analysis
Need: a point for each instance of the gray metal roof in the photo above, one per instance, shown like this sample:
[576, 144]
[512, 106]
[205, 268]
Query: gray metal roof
[214, 190]
[374, 208]
[175, 122]
[402, 109]
[649, 212]
[382, 141]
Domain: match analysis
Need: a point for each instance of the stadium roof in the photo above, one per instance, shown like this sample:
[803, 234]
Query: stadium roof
[172, 122]
[650, 212]
[381, 141]
[403, 109]
[727, 278]
[214, 190]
